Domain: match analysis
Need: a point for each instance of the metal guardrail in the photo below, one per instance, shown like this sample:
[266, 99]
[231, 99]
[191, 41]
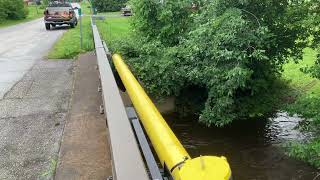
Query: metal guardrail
[127, 162]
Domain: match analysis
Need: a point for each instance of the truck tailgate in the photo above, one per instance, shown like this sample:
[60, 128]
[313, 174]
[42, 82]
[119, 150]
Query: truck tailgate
[59, 12]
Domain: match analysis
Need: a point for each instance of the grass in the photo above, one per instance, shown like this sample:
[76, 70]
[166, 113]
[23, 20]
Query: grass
[51, 169]
[111, 14]
[300, 81]
[86, 8]
[306, 89]
[31, 16]
[306, 104]
[68, 46]
[115, 27]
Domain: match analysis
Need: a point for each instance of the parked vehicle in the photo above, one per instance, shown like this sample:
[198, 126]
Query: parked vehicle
[60, 13]
[126, 11]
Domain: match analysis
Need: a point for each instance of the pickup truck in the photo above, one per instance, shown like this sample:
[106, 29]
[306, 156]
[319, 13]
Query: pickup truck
[59, 14]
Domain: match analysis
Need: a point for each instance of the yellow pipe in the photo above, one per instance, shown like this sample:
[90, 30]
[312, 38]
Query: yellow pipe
[167, 146]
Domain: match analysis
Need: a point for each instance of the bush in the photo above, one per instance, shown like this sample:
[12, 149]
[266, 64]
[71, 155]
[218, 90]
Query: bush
[12, 9]
[109, 5]
[309, 152]
[231, 52]
[3, 14]
[308, 107]
[313, 23]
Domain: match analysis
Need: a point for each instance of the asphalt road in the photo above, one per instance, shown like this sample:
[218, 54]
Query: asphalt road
[34, 101]
[20, 47]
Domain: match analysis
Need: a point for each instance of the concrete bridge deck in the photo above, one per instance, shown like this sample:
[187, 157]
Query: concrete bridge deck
[84, 152]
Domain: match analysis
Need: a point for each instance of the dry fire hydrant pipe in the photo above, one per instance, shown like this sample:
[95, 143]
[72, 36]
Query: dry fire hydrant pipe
[168, 148]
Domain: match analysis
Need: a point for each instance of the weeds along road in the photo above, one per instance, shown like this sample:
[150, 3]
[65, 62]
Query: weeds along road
[34, 100]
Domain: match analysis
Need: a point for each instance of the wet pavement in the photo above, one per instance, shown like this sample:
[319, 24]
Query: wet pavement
[21, 46]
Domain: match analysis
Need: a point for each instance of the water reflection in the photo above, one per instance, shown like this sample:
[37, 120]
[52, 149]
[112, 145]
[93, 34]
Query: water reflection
[253, 147]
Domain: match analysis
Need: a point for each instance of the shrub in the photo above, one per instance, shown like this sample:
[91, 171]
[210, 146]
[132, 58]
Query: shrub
[13, 9]
[309, 152]
[108, 5]
[3, 14]
[231, 51]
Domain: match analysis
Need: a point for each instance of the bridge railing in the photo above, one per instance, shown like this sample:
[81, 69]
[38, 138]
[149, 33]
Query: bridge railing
[127, 162]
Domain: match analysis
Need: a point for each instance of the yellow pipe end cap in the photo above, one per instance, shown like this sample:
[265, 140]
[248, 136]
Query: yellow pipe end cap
[206, 168]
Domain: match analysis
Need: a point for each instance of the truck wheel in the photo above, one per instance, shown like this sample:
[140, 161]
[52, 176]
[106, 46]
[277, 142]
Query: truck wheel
[72, 25]
[47, 26]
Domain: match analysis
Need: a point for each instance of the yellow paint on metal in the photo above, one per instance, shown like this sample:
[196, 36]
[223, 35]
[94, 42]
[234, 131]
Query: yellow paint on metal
[206, 168]
[167, 146]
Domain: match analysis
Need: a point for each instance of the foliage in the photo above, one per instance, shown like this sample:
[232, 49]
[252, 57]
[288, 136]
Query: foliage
[33, 13]
[163, 23]
[308, 107]
[231, 51]
[305, 97]
[313, 23]
[44, 4]
[3, 14]
[12, 9]
[109, 5]
[69, 45]
[309, 152]
[114, 28]
[305, 101]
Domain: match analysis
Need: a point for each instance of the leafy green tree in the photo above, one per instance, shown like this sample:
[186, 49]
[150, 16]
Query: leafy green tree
[109, 5]
[12, 9]
[45, 2]
[230, 51]
[3, 14]
[313, 23]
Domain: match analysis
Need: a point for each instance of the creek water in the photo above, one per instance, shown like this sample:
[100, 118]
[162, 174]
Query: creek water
[253, 147]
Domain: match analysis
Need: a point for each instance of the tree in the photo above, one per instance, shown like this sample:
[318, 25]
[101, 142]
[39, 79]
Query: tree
[313, 23]
[109, 5]
[3, 14]
[230, 51]
[12, 9]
